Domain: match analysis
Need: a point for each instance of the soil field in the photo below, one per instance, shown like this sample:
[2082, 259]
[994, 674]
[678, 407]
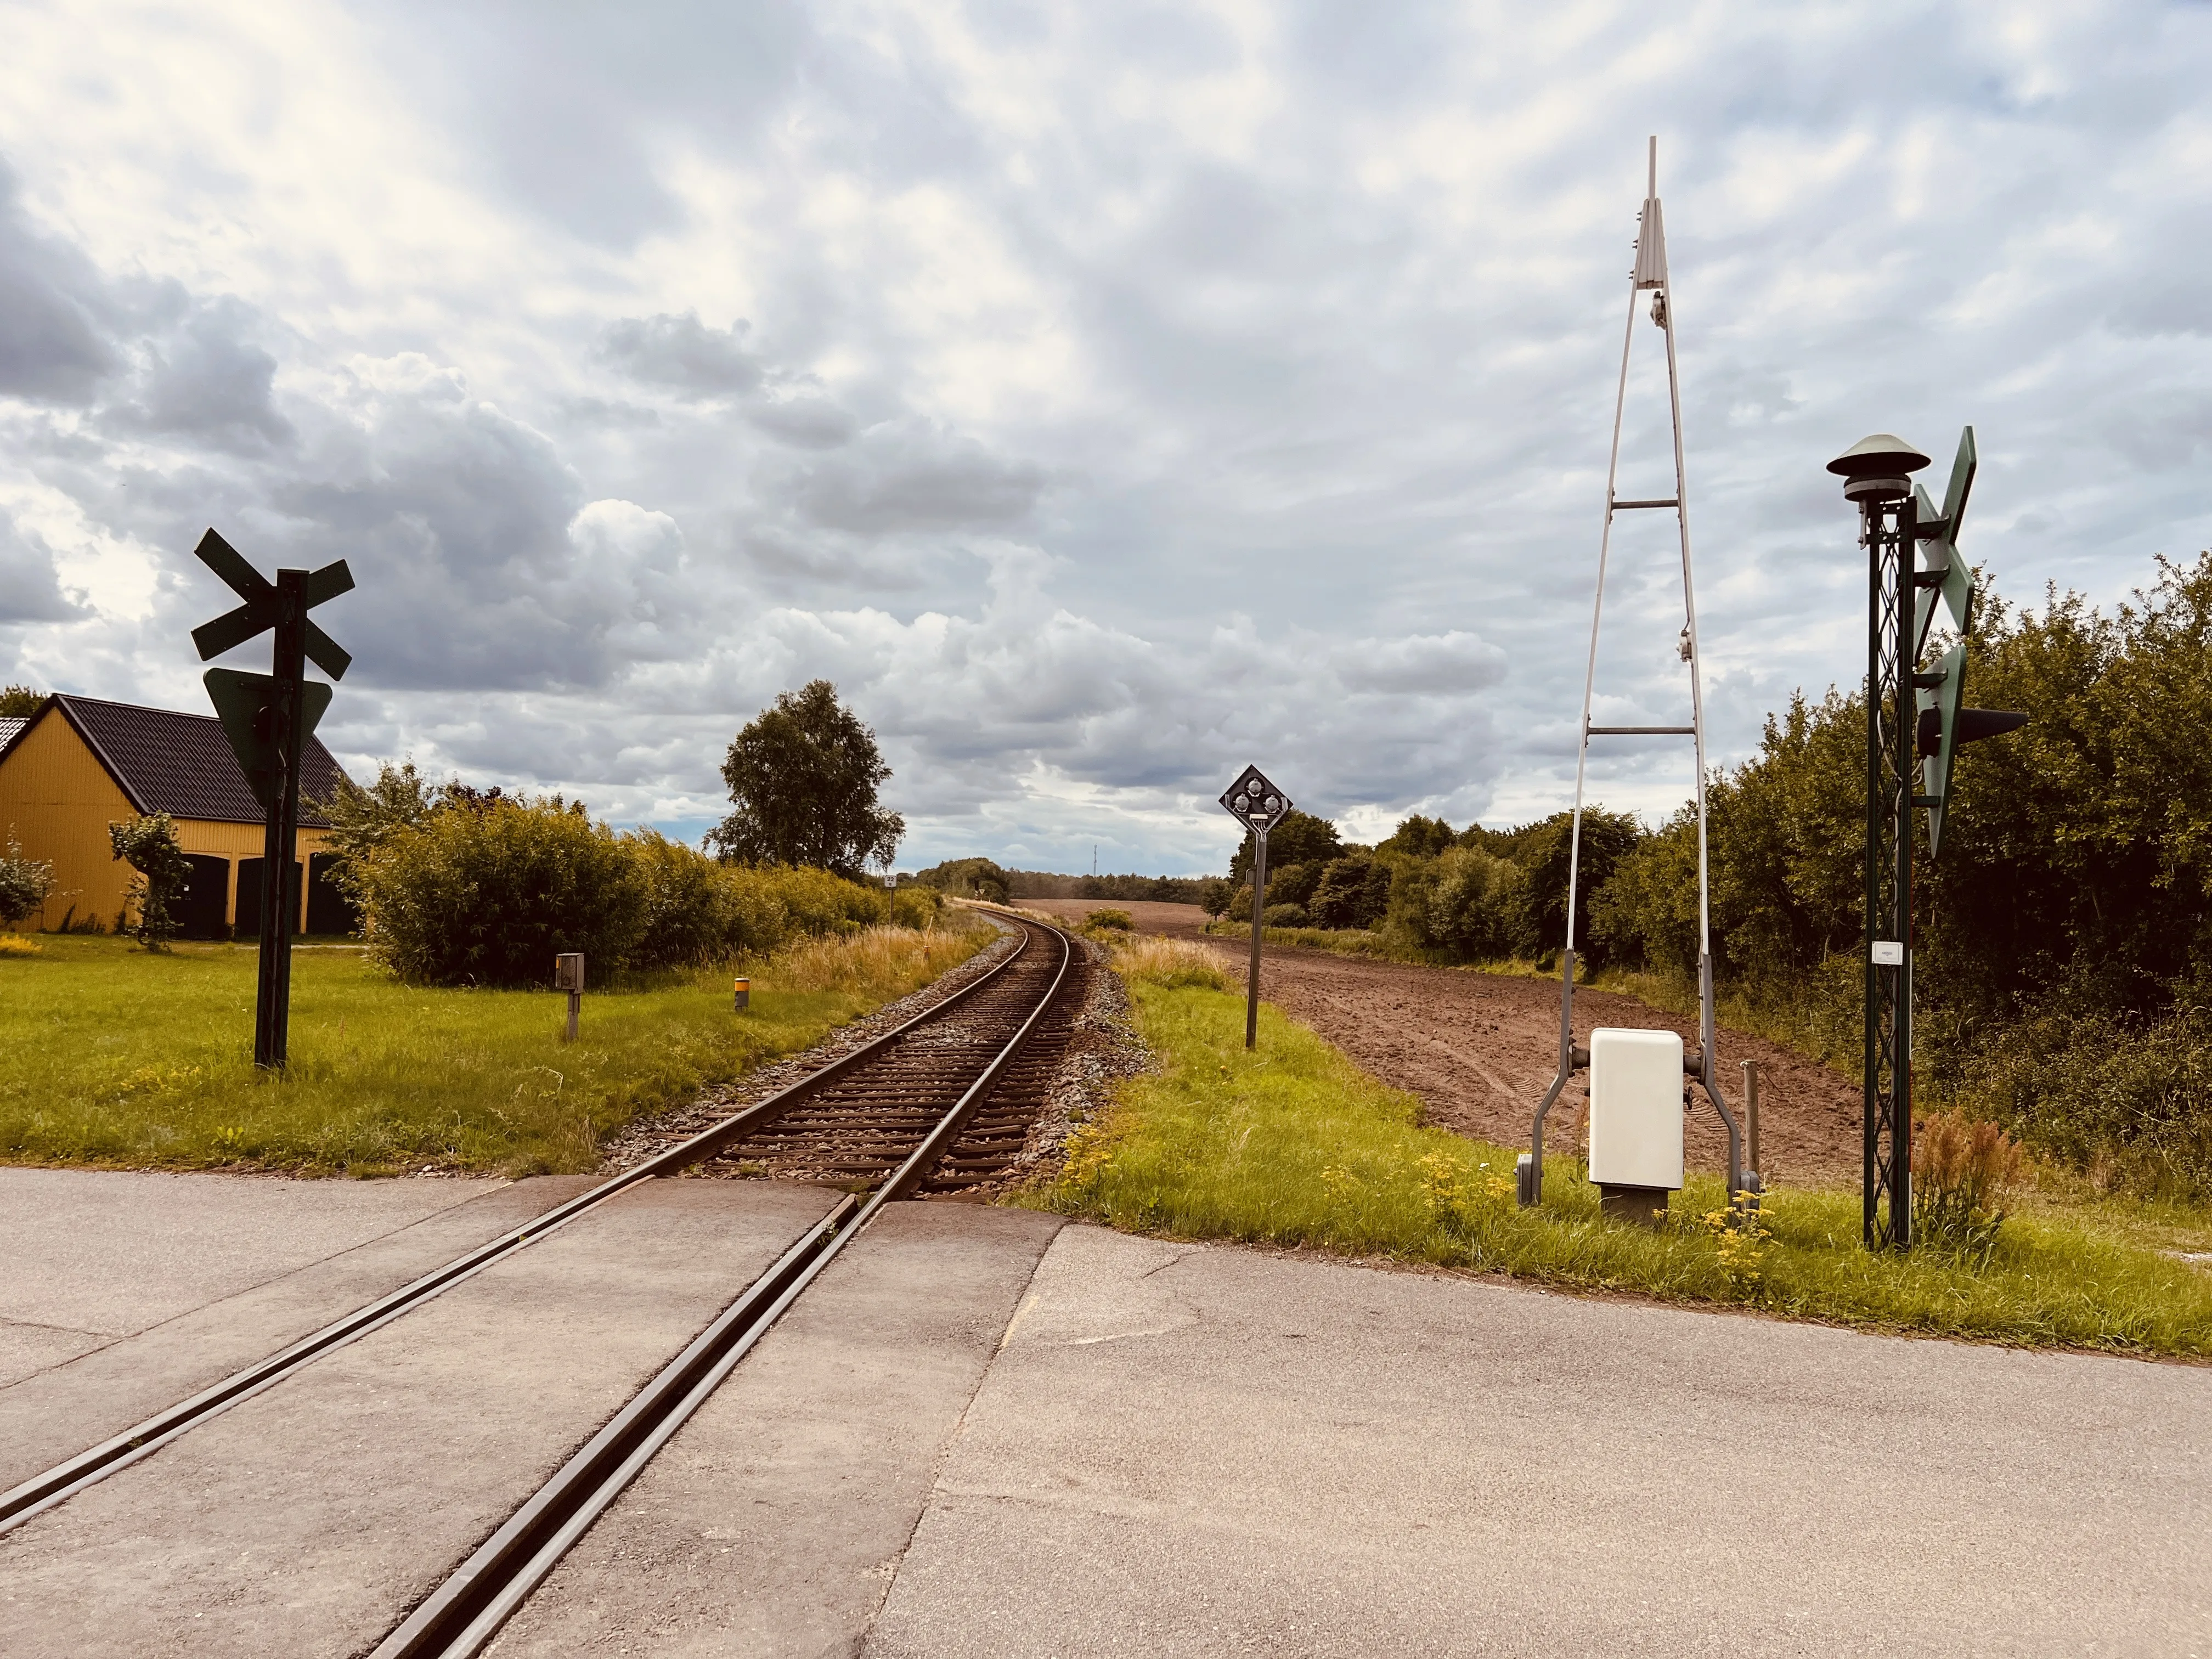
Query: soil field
[1479, 1049]
[1181, 920]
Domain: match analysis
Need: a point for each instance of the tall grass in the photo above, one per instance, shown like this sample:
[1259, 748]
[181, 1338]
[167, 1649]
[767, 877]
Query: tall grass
[1172, 963]
[118, 1058]
[1293, 1144]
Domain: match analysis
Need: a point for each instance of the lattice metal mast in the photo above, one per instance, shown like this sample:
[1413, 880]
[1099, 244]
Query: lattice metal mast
[1650, 275]
[1917, 722]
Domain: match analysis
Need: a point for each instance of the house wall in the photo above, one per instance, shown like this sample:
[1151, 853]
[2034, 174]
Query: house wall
[235, 841]
[57, 801]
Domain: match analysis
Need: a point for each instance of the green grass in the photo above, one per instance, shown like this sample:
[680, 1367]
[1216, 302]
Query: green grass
[120, 1058]
[1295, 1146]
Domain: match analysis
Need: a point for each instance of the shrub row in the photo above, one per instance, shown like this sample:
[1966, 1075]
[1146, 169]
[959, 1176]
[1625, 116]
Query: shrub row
[477, 890]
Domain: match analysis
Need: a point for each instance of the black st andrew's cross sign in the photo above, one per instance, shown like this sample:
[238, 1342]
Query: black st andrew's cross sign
[269, 718]
[1259, 806]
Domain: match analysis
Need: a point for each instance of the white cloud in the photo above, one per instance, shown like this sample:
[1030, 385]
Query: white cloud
[1103, 395]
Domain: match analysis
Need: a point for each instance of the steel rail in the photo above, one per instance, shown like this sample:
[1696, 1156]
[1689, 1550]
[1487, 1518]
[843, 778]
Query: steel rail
[42, 1491]
[464, 1611]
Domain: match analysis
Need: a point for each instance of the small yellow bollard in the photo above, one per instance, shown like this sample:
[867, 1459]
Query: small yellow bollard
[742, 996]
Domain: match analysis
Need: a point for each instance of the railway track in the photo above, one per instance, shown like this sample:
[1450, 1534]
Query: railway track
[940, 1102]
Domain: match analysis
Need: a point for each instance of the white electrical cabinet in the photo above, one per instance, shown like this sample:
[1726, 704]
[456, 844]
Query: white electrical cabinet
[1636, 1109]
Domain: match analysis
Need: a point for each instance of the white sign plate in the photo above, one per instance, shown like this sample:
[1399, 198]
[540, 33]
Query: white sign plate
[1888, 953]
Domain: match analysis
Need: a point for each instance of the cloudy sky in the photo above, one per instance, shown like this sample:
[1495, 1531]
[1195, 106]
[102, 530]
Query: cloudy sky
[1102, 396]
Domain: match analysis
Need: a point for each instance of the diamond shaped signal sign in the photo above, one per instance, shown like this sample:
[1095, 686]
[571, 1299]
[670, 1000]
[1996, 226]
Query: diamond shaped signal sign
[1255, 802]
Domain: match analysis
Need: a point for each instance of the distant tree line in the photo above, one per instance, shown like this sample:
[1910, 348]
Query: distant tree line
[984, 879]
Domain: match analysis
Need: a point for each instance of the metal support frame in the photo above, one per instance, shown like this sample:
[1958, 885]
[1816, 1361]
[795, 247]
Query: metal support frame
[1650, 273]
[1888, 531]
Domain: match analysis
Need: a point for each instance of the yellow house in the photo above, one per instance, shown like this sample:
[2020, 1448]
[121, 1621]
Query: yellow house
[79, 764]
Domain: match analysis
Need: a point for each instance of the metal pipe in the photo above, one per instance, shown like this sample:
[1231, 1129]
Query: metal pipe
[1709, 1065]
[1531, 1190]
[1258, 907]
[1751, 1113]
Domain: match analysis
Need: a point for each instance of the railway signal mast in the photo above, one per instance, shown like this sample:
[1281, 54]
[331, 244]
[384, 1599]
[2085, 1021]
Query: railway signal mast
[269, 718]
[1702, 1068]
[1916, 722]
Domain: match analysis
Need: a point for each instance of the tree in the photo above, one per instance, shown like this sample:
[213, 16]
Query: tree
[803, 777]
[1300, 838]
[1542, 849]
[969, 877]
[1417, 837]
[19, 703]
[148, 844]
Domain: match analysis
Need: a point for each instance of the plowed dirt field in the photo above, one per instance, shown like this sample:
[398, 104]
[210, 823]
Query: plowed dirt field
[1477, 1050]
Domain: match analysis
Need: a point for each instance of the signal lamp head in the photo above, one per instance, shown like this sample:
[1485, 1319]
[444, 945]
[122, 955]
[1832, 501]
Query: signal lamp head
[1877, 468]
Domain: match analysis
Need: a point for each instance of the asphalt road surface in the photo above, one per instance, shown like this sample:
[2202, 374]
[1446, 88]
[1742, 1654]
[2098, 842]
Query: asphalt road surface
[987, 1433]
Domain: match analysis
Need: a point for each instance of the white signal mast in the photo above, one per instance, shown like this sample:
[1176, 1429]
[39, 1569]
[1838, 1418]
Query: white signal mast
[1650, 274]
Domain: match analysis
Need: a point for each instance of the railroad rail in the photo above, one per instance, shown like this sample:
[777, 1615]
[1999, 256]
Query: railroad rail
[977, 1069]
[865, 1125]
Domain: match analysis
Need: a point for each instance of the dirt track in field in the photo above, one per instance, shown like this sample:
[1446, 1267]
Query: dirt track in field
[1479, 1049]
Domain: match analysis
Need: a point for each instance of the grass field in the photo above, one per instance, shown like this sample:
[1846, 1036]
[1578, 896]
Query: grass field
[1295, 1146]
[120, 1058]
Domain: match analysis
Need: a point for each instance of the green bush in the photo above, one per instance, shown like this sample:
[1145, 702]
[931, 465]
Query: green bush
[1115, 920]
[818, 902]
[148, 844]
[1294, 883]
[916, 906]
[1353, 892]
[687, 909]
[1465, 903]
[489, 895]
[2127, 1101]
[1285, 915]
[469, 887]
[1215, 896]
[24, 883]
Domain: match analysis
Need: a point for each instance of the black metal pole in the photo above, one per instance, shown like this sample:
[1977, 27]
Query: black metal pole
[279, 892]
[1258, 904]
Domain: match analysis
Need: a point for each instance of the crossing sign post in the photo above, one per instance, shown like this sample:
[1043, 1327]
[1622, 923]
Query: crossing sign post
[1259, 806]
[269, 718]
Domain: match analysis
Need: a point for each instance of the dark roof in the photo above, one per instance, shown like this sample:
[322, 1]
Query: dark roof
[9, 728]
[182, 764]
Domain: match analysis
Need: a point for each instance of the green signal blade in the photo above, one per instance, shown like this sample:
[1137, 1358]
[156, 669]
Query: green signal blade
[1938, 757]
[1955, 591]
[1963, 467]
